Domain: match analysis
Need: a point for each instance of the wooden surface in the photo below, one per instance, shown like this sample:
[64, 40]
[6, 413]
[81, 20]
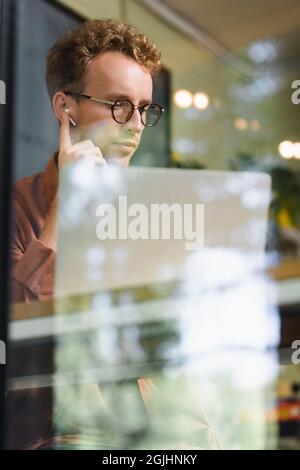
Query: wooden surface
[22, 311]
[288, 269]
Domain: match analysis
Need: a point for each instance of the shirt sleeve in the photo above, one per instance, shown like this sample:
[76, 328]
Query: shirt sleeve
[32, 264]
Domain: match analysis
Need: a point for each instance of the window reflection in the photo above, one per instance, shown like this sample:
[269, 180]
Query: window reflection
[151, 346]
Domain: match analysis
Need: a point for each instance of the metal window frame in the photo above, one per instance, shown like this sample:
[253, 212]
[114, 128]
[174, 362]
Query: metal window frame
[7, 38]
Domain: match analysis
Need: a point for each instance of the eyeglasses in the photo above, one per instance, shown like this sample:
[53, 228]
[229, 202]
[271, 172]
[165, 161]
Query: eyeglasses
[122, 110]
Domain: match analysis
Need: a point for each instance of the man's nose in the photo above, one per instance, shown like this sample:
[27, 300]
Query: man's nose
[135, 122]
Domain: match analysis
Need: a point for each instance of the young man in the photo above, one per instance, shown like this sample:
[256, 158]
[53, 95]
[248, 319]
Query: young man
[98, 76]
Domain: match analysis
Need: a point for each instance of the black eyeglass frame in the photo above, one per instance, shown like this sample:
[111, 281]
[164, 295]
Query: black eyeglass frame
[113, 104]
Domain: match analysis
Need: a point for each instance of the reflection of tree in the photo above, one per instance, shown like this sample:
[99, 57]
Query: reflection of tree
[147, 354]
[154, 338]
[141, 348]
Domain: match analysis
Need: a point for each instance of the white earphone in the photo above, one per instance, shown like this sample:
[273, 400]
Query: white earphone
[71, 120]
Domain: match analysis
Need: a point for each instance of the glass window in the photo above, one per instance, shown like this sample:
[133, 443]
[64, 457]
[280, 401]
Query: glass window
[161, 311]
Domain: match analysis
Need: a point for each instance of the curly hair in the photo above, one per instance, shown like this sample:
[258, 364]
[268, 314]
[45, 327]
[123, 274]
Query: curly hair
[71, 54]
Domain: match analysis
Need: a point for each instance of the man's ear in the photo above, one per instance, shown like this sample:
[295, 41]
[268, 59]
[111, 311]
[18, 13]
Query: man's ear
[59, 103]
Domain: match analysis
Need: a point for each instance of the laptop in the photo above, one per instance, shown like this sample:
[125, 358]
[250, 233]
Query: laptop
[129, 227]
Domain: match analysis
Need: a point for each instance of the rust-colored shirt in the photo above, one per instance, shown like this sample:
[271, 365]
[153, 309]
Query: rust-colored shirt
[33, 263]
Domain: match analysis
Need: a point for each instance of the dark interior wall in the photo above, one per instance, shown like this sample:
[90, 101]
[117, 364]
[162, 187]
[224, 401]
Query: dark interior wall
[39, 23]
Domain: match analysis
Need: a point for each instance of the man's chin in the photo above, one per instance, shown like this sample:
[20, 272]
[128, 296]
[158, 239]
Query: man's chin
[119, 154]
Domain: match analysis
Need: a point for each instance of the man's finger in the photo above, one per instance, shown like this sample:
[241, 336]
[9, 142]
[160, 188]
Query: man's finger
[65, 137]
[100, 160]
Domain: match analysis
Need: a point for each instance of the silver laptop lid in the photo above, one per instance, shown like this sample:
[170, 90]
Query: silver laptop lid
[135, 226]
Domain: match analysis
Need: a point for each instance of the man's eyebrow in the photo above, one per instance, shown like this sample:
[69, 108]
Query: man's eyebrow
[117, 96]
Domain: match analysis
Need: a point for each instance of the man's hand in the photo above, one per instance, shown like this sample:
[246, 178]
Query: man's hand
[68, 154]
[84, 150]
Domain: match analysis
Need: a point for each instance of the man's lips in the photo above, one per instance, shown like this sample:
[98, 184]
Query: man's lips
[125, 144]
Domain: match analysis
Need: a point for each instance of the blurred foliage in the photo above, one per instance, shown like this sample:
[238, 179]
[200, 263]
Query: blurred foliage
[191, 164]
[284, 212]
[285, 187]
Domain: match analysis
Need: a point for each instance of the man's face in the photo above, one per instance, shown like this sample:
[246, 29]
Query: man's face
[112, 76]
